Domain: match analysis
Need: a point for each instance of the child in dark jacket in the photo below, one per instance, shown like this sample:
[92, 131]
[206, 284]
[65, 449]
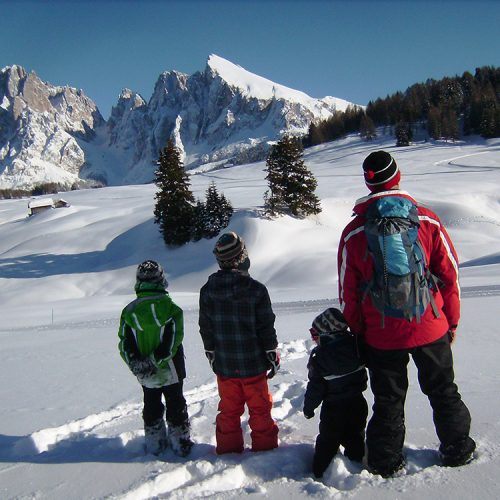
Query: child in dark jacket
[337, 378]
[237, 329]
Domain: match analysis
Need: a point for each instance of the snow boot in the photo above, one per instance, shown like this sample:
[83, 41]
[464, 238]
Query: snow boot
[156, 437]
[457, 454]
[323, 455]
[389, 470]
[180, 439]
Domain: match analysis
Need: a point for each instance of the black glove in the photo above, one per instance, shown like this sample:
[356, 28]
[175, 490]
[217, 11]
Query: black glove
[308, 413]
[211, 358]
[273, 356]
[142, 367]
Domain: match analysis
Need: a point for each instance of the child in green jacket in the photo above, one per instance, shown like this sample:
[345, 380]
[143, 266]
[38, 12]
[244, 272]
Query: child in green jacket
[151, 333]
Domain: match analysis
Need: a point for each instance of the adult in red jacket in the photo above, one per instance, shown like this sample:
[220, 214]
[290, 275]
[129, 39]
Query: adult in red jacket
[388, 344]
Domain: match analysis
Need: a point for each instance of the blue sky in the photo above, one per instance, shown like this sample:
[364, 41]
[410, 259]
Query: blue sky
[355, 50]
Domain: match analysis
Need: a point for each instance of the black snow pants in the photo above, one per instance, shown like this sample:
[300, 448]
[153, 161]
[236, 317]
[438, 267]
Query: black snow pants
[175, 405]
[389, 383]
[342, 422]
[176, 408]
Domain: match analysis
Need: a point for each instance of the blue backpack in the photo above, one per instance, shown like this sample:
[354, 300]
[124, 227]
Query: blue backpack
[401, 283]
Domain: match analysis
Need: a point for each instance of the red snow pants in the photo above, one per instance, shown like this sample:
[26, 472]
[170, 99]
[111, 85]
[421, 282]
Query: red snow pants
[234, 394]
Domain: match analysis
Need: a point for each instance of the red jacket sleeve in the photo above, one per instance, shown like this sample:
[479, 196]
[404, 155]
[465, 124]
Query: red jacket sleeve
[443, 263]
[350, 279]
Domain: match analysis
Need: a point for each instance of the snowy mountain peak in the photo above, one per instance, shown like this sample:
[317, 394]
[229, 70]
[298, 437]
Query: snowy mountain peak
[222, 115]
[253, 85]
[134, 97]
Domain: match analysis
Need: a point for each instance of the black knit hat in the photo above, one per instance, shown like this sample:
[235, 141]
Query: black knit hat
[330, 321]
[381, 171]
[230, 251]
[152, 272]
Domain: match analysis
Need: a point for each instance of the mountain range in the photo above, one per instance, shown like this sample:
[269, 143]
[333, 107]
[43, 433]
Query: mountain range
[223, 115]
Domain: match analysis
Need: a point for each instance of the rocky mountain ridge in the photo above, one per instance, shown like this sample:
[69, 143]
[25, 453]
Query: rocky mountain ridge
[223, 114]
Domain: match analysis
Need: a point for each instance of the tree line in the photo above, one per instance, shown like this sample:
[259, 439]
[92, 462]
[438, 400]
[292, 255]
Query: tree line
[444, 109]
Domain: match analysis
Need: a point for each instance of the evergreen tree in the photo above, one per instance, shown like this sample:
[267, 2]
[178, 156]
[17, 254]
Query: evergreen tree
[291, 185]
[434, 123]
[212, 226]
[218, 212]
[315, 135]
[174, 200]
[199, 221]
[449, 122]
[274, 198]
[489, 122]
[442, 123]
[403, 133]
[367, 128]
[226, 211]
[211, 217]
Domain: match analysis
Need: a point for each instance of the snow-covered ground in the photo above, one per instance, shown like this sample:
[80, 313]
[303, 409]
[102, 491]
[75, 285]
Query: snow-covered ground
[70, 412]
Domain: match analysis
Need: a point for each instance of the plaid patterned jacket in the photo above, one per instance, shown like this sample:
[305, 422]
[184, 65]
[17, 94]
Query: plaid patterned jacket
[237, 323]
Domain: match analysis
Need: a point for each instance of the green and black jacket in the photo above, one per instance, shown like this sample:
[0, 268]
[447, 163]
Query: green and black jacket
[152, 326]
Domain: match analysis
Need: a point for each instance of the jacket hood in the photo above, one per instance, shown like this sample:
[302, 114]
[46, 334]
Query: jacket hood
[328, 339]
[228, 284]
[361, 205]
[337, 356]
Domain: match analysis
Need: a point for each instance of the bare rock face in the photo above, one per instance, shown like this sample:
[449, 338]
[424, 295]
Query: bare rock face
[40, 129]
[222, 115]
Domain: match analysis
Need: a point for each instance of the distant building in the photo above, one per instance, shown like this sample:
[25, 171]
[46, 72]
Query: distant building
[60, 203]
[37, 206]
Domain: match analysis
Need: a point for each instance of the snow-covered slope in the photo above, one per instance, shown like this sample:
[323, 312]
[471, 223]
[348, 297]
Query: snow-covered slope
[219, 115]
[70, 421]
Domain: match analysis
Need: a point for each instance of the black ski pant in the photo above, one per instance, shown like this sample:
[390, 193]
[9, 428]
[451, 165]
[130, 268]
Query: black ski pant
[342, 422]
[389, 383]
[175, 405]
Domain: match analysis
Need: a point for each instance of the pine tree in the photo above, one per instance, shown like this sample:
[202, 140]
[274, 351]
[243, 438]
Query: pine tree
[212, 216]
[174, 200]
[403, 134]
[434, 124]
[291, 185]
[367, 128]
[489, 124]
[199, 221]
[226, 211]
[274, 198]
[214, 212]
[449, 122]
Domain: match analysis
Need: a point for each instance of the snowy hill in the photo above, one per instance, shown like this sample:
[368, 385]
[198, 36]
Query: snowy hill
[70, 419]
[219, 115]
